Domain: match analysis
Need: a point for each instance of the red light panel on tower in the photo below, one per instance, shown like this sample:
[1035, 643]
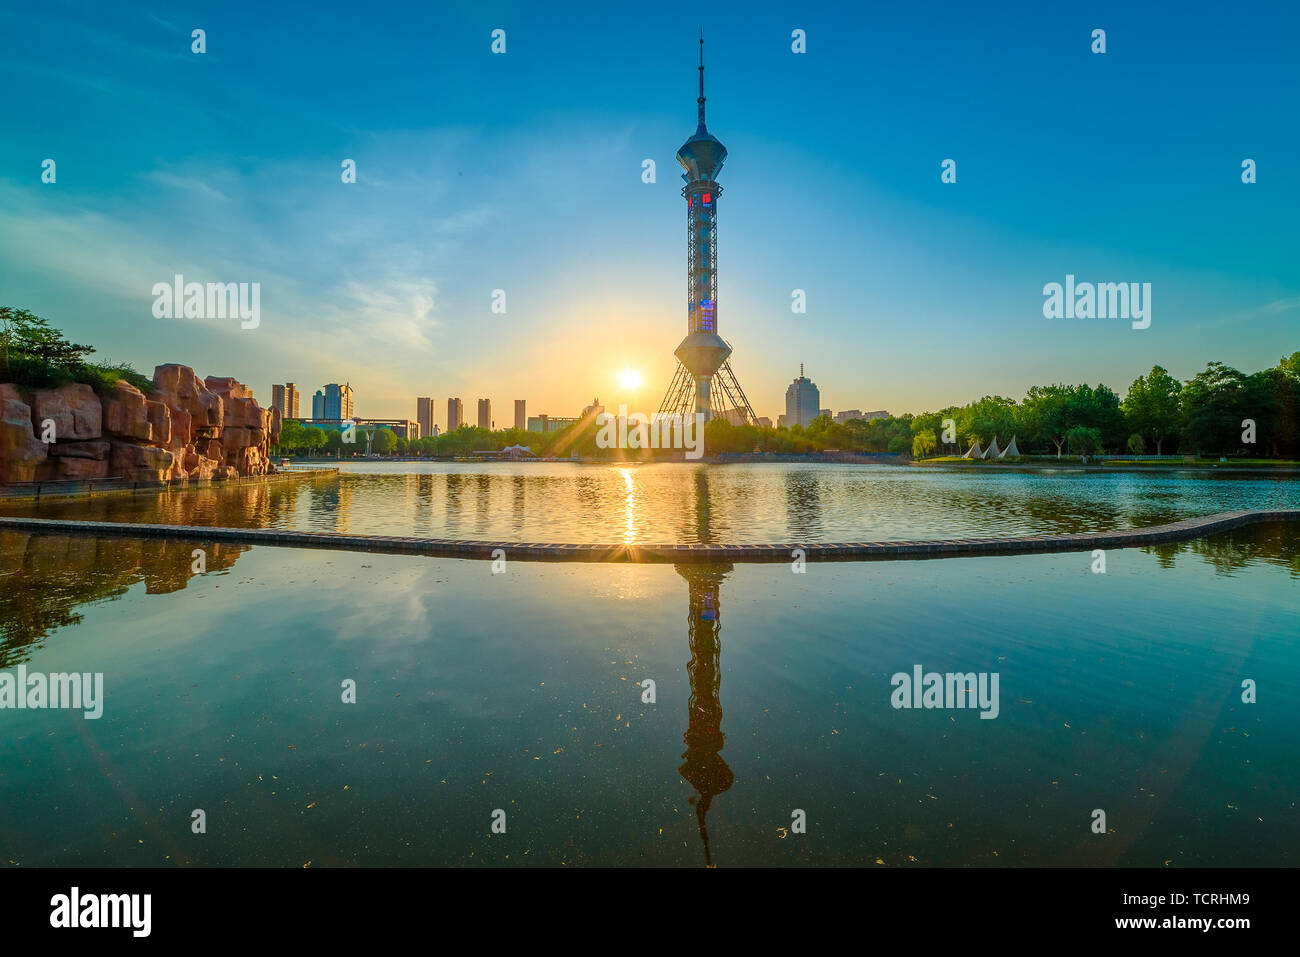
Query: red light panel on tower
[708, 198]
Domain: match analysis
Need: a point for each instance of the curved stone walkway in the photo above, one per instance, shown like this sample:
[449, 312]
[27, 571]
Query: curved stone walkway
[813, 551]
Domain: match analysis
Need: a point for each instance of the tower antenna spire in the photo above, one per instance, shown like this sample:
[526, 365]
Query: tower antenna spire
[701, 99]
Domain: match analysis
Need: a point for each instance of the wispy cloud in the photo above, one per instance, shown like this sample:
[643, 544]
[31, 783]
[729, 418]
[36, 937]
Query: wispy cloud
[185, 182]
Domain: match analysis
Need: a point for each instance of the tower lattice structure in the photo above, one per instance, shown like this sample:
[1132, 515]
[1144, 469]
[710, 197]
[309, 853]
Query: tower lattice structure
[704, 381]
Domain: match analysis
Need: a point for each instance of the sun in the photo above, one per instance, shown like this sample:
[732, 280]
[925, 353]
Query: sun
[629, 379]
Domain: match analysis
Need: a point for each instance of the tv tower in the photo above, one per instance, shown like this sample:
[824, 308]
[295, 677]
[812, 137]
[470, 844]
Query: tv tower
[704, 382]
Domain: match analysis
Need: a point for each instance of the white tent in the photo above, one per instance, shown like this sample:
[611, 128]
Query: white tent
[993, 452]
[974, 451]
[1011, 451]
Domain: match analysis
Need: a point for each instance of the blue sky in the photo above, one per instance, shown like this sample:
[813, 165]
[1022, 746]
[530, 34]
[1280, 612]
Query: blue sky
[523, 172]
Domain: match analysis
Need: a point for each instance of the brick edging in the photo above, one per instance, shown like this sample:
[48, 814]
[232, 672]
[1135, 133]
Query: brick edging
[652, 553]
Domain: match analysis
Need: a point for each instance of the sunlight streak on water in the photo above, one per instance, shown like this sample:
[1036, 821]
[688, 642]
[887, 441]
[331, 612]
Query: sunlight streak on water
[691, 503]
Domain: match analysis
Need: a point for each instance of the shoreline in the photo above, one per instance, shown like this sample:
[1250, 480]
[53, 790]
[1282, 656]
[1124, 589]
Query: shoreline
[864, 459]
[71, 488]
[1208, 468]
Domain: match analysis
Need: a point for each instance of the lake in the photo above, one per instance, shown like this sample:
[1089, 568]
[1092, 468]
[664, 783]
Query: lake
[676, 503]
[518, 697]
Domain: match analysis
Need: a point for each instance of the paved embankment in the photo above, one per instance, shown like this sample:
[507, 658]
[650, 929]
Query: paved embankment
[70, 488]
[813, 551]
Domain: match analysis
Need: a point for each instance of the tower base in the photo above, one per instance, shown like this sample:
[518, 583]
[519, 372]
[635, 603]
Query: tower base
[729, 401]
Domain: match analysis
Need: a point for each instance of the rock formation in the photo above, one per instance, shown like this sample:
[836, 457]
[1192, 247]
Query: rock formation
[186, 430]
[21, 452]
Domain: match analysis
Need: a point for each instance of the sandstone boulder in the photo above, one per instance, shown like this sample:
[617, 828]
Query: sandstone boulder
[126, 414]
[202, 468]
[180, 436]
[238, 406]
[97, 450]
[140, 463]
[250, 461]
[20, 450]
[81, 469]
[160, 422]
[179, 388]
[236, 438]
[74, 409]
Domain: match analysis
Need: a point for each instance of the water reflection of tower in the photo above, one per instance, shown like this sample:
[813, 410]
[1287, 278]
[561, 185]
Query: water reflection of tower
[702, 764]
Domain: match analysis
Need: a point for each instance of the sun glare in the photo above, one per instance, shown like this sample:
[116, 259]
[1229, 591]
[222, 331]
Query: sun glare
[629, 379]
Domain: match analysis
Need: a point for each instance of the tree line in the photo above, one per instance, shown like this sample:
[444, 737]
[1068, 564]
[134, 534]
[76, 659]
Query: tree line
[1219, 411]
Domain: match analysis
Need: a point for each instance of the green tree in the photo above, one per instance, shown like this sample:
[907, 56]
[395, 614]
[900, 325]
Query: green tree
[924, 443]
[1083, 440]
[292, 436]
[23, 334]
[1212, 407]
[1045, 414]
[1099, 408]
[335, 445]
[1151, 407]
[382, 441]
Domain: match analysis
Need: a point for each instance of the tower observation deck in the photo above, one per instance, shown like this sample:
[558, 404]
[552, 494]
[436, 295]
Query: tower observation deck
[704, 381]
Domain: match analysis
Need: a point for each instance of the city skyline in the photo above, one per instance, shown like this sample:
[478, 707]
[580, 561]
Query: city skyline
[919, 294]
[285, 397]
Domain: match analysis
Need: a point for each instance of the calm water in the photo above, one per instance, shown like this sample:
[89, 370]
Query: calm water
[519, 692]
[564, 502]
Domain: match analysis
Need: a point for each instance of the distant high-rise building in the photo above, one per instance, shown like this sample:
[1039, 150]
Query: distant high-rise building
[842, 417]
[802, 401]
[285, 398]
[424, 415]
[455, 414]
[521, 415]
[485, 413]
[826, 412]
[550, 423]
[335, 403]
